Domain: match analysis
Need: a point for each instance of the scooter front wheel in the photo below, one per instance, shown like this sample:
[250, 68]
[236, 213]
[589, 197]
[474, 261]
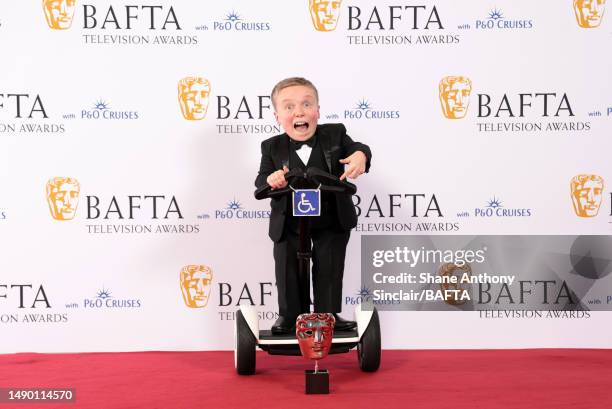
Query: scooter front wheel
[244, 347]
[368, 348]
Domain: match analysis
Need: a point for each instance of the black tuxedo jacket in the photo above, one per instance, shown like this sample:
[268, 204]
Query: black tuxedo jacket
[336, 145]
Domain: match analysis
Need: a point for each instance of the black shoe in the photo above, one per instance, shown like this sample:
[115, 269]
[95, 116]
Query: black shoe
[344, 325]
[284, 325]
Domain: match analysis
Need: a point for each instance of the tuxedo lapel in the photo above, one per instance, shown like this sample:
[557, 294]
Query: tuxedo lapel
[282, 151]
[325, 142]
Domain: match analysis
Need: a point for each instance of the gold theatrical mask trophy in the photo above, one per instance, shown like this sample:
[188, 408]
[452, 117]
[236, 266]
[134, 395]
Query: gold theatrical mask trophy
[454, 93]
[193, 96]
[59, 13]
[196, 282]
[63, 197]
[324, 14]
[589, 13]
[587, 191]
[452, 269]
[315, 332]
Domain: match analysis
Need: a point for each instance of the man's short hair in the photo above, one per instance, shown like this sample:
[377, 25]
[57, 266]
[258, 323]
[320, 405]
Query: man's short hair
[290, 82]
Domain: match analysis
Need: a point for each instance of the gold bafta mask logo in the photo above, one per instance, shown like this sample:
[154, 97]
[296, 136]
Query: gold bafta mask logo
[589, 12]
[455, 96]
[196, 282]
[450, 269]
[193, 95]
[59, 13]
[324, 14]
[587, 191]
[63, 197]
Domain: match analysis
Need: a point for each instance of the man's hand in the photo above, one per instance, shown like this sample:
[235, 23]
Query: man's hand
[356, 165]
[277, 180]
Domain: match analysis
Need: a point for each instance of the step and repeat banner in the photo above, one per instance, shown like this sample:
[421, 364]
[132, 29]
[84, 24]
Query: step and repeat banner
[130, 135]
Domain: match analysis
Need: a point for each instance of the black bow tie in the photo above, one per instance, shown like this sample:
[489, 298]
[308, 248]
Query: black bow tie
[298, 144]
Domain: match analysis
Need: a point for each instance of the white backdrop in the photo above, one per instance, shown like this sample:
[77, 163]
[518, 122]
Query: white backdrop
[209, 164]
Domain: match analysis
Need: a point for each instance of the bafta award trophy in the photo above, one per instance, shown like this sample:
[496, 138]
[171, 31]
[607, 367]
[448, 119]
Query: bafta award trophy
[314, 332]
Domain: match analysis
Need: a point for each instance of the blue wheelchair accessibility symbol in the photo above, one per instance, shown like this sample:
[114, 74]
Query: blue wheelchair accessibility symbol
[306, 202]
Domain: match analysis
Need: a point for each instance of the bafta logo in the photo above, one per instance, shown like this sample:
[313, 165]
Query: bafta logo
[315, 332]
[455, 96]
[587, 191]
[324, 14]
[589, 12]
[59, 13]
[63, 197]
[196, 281]
[452, 269]
[193, 95]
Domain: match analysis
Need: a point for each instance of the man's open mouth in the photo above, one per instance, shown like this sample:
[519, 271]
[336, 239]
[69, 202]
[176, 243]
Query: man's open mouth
[300, 126]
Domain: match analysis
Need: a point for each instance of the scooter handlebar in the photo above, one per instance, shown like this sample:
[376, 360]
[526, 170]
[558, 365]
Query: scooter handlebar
[265, 191]
[331, 183]
[327, 182]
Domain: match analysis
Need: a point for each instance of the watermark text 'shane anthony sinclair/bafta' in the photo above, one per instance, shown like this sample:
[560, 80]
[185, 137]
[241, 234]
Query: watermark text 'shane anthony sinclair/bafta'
[471, 273]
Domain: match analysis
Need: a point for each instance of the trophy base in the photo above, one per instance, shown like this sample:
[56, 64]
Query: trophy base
[317, 382]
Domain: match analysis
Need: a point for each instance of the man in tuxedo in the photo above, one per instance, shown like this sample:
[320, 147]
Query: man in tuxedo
[327, 147]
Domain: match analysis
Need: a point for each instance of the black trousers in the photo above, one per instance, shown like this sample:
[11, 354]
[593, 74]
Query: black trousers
[328, 254]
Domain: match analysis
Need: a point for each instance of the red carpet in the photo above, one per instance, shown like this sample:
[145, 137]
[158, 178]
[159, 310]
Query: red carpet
[451, 379]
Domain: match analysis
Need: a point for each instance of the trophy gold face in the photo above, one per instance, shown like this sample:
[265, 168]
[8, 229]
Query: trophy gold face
[589, 13]
[59, 13]
[63, 197]
[454, 93]
[194, 96]
[324, 14]
[196, 283]
[587, 191]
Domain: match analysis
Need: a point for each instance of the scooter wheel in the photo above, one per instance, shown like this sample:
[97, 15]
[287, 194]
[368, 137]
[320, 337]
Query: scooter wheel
[368, 348]
[244, 348]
